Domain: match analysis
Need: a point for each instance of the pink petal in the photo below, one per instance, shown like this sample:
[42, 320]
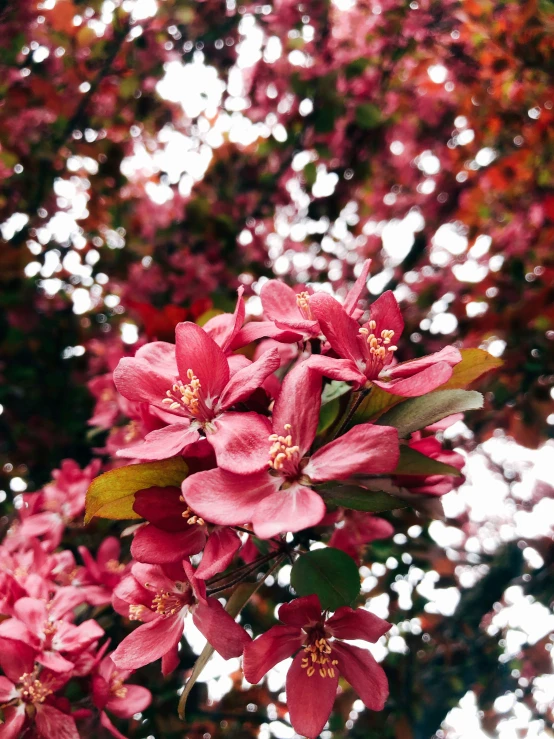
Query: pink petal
[53, 723]
[340, 330]
[247, 380]
[293, 509]
[162, 507]
[386, 314]
[360, 669]
[336, 369]
[152, 577]
[347, 623]
[221, 547]
[220, 629]
[237, 362]
[263, 329]
[279, 303]
[162, 443]
[109, 550]
[224, 328]
[197, 351]
[139, 381]
[363, 449]
[136, 700]
[33, 613]
[107, 724]
[225, 498]
[298, 405]
[448, 354]
[14, 718]
[309, 699]
[156, 546]
[301, 612]
[241, 442]
[269, 649]
[170, 661]
[7, 689]
[55, 662]
[418, 384]
[351, 300]
[149, 642]
[76, 638]
[160, 355]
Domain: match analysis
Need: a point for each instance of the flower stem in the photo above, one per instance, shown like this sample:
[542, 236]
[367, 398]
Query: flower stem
[353, 407]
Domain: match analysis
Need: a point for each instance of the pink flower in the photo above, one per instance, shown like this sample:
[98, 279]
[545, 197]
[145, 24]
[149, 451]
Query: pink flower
[432, 484]
[320, 659]
[174, 532]
[111, 693]
[27, 696]
[161, 597]
[45, 627]
[99, 576]
[369, 350]
[290, 314]
[193, 385]
[357, 529]
[281, 497]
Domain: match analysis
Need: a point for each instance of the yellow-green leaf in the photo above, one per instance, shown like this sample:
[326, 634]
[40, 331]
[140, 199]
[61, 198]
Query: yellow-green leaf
[376, 403]
[412, 462]
[112, 494]
[474, 364]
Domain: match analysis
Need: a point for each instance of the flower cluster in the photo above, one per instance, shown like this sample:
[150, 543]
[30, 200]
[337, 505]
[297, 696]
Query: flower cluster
[50, 642]
[271, 421]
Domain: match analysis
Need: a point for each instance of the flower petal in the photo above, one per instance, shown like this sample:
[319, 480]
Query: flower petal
[224, 328]
[221, 630]
[107, 724]
[197, 351]
[386, 314]
[33, 613]
[136, 700]
[263, 329]
[301, 611]
[336, 369]
[221, 547]
[225, 498]
[368, 679]
[161, 506]
[293, 509]
[418, 384]
[162, 443]
[156, 546]
[139, 381]
[51, 722]
[351, 300]
[448, 354]
[280, 306]
[347, 623]
[241, 442]
[298, 405]
[269, 649]
[309, 699]
[340, 330]
[366, 448]
[246, 380]
[149, 642]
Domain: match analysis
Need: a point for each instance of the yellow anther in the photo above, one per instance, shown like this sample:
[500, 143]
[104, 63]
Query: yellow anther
[136, 612]
[32, 690]
[113, 565]
[167, 604]
[185, 396]
[282, 449]
[117, 687]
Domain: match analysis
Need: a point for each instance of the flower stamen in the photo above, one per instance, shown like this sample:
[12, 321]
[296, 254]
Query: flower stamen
[167, 604]
[282, 450]
[185, 397]
[303, 303]
[317, 658]
[32, 690]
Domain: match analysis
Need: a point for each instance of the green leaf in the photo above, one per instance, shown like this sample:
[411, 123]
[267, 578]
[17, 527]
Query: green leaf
[361, 499]
[328, 415]
[329, 573]
[334, 390]
[417, 413]
[412, 462]
[310, 173]
[368, 115]
[474, 364]
[112, 494]
[376, 403]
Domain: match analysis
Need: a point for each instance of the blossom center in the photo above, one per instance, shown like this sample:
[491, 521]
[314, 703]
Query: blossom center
[377, 348]
[318, 657]
[283, 454]
[190, 516]
[116, 686]
[32, 690]
[303, 303]
[167, 604]
[113, 565]
[136, 611]
[187, 397]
